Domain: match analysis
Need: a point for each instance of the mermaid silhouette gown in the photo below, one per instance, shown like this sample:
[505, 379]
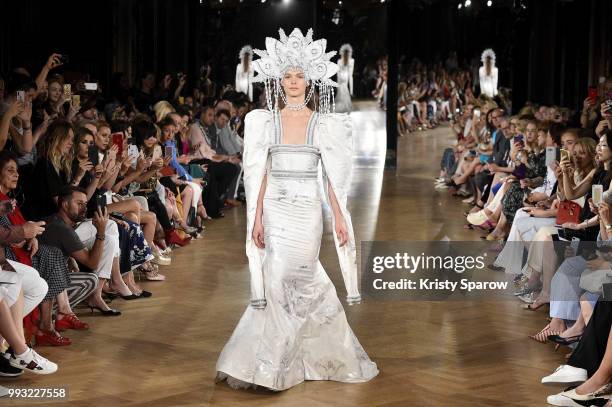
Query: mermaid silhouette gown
[295, 328]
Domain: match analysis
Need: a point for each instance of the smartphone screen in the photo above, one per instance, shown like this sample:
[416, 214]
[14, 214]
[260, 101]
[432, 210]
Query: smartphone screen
[593, 93]
[575, 243]
[118, 141]
[21, 96]
[91, 86]
[76, 100]
[92, 152]
[168, 151]
[67, 91]
[597, 194]
[101, 201]
[551, 155]
[565, 154]
[133, 153]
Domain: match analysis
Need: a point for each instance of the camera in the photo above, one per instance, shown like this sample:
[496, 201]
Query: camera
[64, 59]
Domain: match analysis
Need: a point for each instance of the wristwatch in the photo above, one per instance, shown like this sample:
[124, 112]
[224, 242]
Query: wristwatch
[100, 237]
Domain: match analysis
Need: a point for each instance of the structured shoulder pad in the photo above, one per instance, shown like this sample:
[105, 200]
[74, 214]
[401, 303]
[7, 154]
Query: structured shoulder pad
[258, 115]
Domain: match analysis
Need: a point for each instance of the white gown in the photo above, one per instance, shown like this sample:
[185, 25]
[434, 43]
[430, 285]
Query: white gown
[345, 86]
[295, 328]
[488, 83]
[244, 80]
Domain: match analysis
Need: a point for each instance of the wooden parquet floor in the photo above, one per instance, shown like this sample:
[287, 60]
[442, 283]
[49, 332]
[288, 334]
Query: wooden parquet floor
[163, 350]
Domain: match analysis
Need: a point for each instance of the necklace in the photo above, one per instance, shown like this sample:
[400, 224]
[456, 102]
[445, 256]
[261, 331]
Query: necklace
[299, 106]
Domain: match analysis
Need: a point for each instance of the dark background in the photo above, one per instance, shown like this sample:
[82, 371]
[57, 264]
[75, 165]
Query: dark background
[132, 36]
[549, 51]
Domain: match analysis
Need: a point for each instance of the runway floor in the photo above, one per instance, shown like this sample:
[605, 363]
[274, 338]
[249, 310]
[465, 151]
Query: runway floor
[163, 350]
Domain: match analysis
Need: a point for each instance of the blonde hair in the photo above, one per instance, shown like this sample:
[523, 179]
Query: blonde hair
[57, 133]
[161, 109]
[589, 146]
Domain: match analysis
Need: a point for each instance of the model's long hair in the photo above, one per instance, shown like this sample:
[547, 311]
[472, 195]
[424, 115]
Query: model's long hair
[488, 64]
[246, 63]
[312, 103]
[345, 57]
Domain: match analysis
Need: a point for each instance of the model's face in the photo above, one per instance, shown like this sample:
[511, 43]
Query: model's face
[9, 176]
[294, 83]
[103, 138]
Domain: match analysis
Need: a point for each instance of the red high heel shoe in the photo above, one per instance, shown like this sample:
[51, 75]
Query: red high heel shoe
[173, 238]
[51, 338]
[69, 321]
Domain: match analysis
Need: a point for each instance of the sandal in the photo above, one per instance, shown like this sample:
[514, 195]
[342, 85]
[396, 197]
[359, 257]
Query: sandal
[543, 335]
[151, 273]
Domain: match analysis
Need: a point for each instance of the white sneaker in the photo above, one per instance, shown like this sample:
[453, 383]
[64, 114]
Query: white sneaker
[33, 362]
[561, 400]
[566, 374]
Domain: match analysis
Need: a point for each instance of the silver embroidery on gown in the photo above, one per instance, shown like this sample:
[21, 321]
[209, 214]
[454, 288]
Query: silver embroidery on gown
[301, 332]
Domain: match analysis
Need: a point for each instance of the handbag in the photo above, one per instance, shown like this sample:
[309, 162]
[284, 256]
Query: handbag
[568, 212]
[593, 280]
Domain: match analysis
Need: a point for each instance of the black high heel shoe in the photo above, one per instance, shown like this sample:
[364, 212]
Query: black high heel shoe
[564, 341]
[106, 312]
[144, 294]
[113, 295]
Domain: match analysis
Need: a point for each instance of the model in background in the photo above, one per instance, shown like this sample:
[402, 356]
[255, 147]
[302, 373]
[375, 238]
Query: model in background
[244, 72]
[488, 74]
[346, 64]
[295, 328]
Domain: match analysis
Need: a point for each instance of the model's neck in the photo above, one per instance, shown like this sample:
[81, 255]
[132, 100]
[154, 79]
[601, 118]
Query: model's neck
[295, 100]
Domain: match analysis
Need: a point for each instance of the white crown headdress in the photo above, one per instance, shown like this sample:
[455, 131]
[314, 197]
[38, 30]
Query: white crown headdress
[296, 51]
[488, 53]
[346, 47]
[247, 49]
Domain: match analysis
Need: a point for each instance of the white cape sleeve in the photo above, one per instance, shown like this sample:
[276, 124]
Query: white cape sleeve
[335, 141]
[258, 134]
